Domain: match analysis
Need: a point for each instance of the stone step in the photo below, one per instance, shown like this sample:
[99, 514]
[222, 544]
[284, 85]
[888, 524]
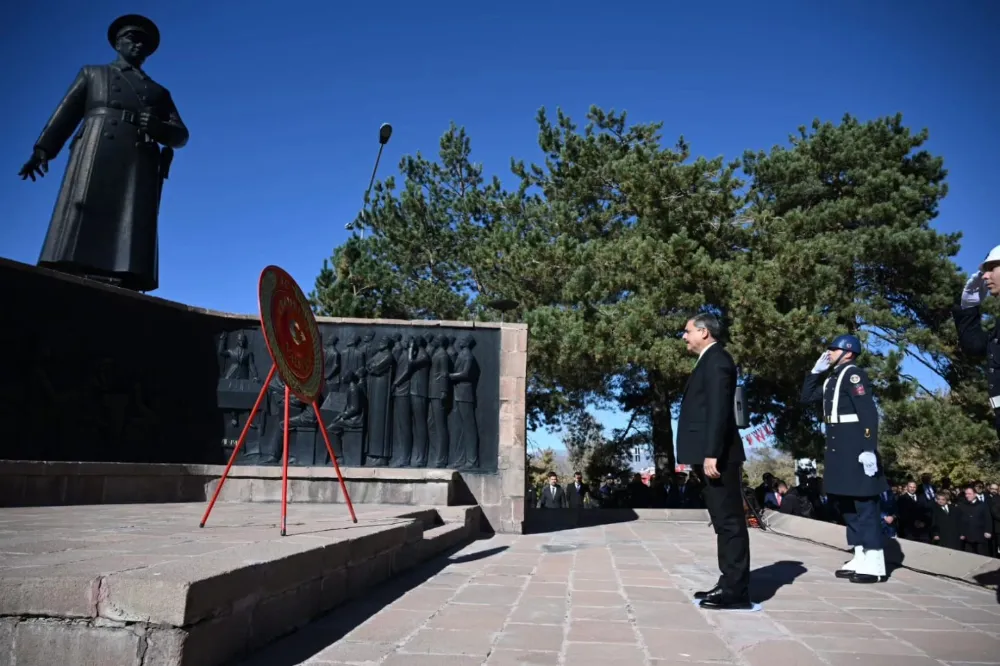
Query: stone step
[427, 518]
[440, 539]
[183, 596]
[38, 483]
[460, 514]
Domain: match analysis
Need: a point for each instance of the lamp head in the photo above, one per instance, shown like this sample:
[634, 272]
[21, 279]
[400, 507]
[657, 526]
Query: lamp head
[384, 132]
[503, 304]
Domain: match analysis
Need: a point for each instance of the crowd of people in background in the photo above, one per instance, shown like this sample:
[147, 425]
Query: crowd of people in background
[959, 516]
[680, 491]
[962, 517]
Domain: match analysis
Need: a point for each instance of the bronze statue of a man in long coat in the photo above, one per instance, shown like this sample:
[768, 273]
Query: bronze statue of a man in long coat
[104, 225]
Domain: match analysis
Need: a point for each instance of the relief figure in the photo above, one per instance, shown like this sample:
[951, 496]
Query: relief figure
[402, 429]
[420, 366]
[439, 394]
[331, 366]
[239, 385]
[353, 359]
[347, 428]
[464, 379]
[380, 370]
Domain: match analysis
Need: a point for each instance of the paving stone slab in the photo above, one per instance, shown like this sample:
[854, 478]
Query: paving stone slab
[621, 594]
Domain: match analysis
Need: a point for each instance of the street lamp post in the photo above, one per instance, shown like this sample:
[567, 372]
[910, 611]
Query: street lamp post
[384, 134]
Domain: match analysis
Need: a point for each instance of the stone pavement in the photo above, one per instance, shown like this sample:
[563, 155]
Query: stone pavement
[620, 594]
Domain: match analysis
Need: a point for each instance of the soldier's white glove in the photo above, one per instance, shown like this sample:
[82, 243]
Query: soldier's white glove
[975, 291]
[868, 461]
[823, 364]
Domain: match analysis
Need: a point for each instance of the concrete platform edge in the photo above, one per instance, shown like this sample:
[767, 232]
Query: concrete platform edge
[914, 555]
[209, 617]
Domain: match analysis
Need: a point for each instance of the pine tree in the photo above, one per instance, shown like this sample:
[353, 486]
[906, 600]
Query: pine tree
[841, 242]
[613, 240]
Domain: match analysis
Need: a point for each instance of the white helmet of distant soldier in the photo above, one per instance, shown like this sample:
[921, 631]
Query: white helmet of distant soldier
[990, 271]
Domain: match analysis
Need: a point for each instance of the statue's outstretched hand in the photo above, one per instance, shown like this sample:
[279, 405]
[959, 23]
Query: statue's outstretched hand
[38, 166]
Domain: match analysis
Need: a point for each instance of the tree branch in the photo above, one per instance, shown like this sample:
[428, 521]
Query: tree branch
[907, 352]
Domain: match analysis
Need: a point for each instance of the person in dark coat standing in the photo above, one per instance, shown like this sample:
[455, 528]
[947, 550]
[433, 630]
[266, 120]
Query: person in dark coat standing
[577, 492]
[853, 473]
[945, 523]
[993, 502]
[888, 513]
[552, 496]
[972, 339]
[104, 225]
[975, 524]
[709, 441]
[914, 514]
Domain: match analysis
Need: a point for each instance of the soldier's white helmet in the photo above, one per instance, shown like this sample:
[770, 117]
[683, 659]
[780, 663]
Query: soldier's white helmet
[992, 258]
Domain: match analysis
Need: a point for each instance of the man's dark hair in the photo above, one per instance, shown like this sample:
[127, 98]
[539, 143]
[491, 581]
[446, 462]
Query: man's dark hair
[710, 323]
[551, 474]
[577, 474]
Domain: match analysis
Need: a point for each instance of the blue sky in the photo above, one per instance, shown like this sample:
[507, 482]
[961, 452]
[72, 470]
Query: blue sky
[284, 102]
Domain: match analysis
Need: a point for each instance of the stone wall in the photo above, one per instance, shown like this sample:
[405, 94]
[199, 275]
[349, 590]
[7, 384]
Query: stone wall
[501, 495]
[107, 375]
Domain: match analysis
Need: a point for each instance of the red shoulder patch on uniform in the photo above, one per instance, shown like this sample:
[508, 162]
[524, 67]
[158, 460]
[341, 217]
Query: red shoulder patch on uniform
[858, 389]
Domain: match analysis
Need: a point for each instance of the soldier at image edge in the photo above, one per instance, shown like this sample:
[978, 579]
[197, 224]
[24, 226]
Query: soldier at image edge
[972, 338]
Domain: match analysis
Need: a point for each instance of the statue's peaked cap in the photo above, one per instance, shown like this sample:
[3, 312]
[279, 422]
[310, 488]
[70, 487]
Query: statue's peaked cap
[136, 22]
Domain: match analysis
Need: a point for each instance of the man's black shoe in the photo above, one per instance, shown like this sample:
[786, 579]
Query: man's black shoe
[719, 600]
[868, 579]
[843, 573]
[704, 595]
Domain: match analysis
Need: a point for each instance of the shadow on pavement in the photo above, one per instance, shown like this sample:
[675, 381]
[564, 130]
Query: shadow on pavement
[767, 580]
[299, 646]
[544, 521]
[894, 555]
[989, 579]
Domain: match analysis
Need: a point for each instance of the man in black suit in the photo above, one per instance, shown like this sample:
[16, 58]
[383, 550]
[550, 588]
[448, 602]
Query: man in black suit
[709, 441]
[993, 502]
[945, 526]
[975, 524]
[914, 514]
[552, 496]
[577, 492]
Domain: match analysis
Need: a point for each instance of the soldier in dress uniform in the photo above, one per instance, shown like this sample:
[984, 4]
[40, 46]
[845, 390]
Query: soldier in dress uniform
[973, 340]
[104, 225]
[853, 476]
